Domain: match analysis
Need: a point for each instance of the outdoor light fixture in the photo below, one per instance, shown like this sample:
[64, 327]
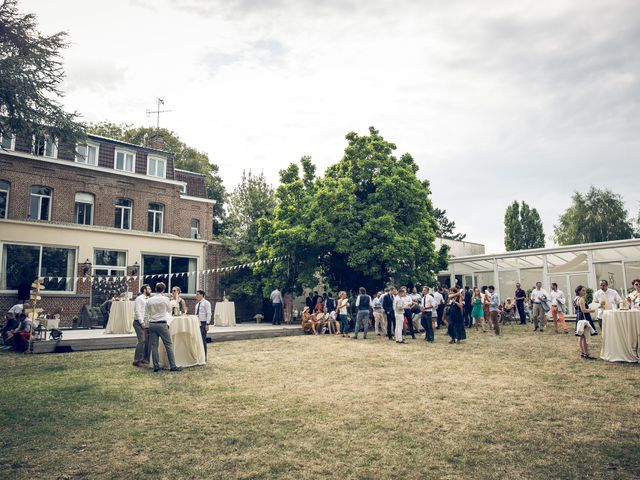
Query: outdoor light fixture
[86, 267]
[135, 269]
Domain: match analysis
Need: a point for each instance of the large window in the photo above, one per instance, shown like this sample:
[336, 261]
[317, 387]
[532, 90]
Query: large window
[195, 228]
[124, 161]
[84, 208]
[45, 146]
[155, 217]
[22, 264]
[123, 213]
[163, 268]
[7, 142]
[111, 263]
[4, 198]
[40, 203]
[87, 153]
[156, 167]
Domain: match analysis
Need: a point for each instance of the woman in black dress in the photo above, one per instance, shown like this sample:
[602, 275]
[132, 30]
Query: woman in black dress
[456, 323]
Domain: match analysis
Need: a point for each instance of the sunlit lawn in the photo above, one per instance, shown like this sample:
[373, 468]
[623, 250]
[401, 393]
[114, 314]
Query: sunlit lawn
[523, 405]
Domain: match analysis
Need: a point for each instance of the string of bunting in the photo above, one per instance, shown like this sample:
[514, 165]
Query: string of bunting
[109, 280]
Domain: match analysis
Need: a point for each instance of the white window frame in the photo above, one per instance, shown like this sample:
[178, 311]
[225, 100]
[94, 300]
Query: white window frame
[44, 292]
[47, 138]
[12, 145]
[84, 159]
[6, 205]
[170, 273]
[114, 270]
[195, 231]
[40, 197]
[123, 208]
[155, 214]
[125, 153]
[153, 172]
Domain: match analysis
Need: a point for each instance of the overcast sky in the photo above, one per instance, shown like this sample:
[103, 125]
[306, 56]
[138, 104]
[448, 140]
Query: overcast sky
[495, 100]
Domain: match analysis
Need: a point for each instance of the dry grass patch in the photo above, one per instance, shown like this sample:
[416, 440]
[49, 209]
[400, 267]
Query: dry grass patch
[523, 405]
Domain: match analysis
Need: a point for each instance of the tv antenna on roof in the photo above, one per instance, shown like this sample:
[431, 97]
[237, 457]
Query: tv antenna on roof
[159, 101]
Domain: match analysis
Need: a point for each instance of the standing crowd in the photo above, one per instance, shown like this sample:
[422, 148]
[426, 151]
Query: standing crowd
[399, 312]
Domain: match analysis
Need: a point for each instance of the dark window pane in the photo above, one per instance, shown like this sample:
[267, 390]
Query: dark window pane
[34, 207]
[3, 204]
[44, 208]
[20, 265]
[57, 262]
[187, 283]
[155, 265]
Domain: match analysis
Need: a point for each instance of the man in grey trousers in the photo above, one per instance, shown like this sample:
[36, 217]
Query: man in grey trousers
[139, 325]
[363, 302]
[158, 311]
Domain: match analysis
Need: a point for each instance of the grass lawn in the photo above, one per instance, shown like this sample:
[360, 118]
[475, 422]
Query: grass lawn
[520, 406]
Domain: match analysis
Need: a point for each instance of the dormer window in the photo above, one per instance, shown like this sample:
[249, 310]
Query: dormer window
[7, 142]
[124, 161]
[87, 153]
[45, 146]
[156, 167]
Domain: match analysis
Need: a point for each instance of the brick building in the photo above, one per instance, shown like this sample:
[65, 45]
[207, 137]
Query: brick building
[75, 215]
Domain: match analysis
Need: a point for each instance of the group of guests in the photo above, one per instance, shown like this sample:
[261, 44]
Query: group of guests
[396, 312]
[151, 314]
[16, 331]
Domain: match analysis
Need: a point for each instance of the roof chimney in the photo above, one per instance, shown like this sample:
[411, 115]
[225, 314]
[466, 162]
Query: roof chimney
[156, 141]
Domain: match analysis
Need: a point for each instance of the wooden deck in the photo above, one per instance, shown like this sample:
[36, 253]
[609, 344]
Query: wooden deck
[96, 339]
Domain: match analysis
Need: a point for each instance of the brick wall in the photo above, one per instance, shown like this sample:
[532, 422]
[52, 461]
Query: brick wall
[22, 173]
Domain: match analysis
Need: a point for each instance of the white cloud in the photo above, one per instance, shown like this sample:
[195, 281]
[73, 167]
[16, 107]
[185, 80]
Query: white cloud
[496, 101]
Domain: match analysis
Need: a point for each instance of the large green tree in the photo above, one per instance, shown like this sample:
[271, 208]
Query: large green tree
[522, 227]
[185, 157]
[596, 216]
[366, 222]
[252, 200]
[31, 72]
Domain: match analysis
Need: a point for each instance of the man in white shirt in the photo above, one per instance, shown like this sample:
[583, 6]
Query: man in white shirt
[427, 306]
[558, 307]
[203, 312]
[276, 302]
[157, 312]
[539, 295]
[378, 314]
[401, 302]
[608, 299]
[139, 325]
[439, 306]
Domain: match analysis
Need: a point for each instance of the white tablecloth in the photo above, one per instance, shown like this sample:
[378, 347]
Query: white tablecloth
[120, 317]
[187, 342]
[620, 335]
[224, 314]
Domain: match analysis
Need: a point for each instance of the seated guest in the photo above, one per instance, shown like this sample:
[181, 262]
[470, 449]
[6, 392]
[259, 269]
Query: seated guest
[18, 339]
[508, 311]
[12, 321]
[321, 320]
[307, 322]
[332, 323]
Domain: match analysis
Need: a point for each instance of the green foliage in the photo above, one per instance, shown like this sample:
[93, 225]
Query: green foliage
[597, 216]
[446, 227]
[185, 157]
[522, 227]
[252, 200]
[31, 71]
[366, 222]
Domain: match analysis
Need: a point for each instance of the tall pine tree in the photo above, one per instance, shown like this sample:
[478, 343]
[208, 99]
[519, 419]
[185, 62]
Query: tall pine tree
[522, 227]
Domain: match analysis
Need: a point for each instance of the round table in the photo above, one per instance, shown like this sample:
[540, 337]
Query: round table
[620, 335]
[120, 317]
[186, 338]
[224, 314]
